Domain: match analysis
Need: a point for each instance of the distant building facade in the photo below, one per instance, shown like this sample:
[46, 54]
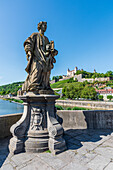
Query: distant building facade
[105, 92]
[90, 80]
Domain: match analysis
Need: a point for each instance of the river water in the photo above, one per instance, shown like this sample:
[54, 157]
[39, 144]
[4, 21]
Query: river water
[7, 107]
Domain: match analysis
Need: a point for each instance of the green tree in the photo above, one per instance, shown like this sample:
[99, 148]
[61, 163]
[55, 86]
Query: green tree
[3, 92]
[100, 97]
[109, 74]
[73, 90]
[89, 93]
[60, 77]
[109, 97]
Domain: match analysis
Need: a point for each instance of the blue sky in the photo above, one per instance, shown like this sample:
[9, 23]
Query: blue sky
[82, 31]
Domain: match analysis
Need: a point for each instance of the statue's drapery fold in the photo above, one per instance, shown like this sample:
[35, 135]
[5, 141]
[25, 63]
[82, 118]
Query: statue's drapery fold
[39, 64]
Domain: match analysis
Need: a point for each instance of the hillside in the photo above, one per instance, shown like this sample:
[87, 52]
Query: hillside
[14, 87]
[61, 84]
[10, 88]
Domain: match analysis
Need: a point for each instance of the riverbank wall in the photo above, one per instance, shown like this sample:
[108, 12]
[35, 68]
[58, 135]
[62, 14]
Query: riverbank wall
[72, 119]
[100, 105]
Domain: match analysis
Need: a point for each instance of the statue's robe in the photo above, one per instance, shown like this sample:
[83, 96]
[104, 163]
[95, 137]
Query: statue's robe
[39, 65]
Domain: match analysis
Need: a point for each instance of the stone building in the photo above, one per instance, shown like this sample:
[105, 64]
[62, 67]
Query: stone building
[90, 80]
[71, 73]
[105, 92]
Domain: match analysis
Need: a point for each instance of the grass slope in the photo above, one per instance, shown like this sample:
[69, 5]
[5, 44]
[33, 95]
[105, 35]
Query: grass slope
[59, 84]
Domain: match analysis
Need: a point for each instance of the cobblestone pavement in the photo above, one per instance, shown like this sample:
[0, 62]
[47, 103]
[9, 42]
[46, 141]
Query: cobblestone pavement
[87, 150]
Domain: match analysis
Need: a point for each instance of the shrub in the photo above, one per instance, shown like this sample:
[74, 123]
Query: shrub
[59, 107]
[100, 97]
[68, 108]
[109, 97]
[79, 108]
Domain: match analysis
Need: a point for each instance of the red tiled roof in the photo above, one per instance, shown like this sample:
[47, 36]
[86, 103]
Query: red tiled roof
[105, 91]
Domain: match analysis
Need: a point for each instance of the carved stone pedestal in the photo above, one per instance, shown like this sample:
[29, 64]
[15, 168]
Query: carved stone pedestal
[38, 129]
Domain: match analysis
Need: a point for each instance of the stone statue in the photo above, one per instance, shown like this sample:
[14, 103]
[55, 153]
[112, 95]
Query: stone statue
[40, 55]
[38, 129]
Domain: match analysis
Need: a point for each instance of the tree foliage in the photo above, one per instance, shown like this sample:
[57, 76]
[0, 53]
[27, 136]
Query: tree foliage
[109, 97]
[86, 74]
[10, 88]
[89, 93]
[100, 97]
[57, 77]
[79, 90]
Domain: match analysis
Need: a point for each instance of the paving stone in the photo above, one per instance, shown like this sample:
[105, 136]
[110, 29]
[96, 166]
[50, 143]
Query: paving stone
[73, 132]
[82, 151]
[67, 156]
[6, 161]
[108, 143]
[98, 163]
[87, 158]
[80, 138]
[75, 142]
[52, 160]
[93, 150]
[7, 167]
[22, 158]
[106, 152]
[109, 167]
[86, 137]
[87, 147]
[72, 146]
[21, 166]
[37, 164]
[67, 137]
[74, 166]
[99, 142]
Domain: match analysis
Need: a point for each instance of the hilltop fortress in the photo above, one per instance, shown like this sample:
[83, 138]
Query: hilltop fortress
[79, 77]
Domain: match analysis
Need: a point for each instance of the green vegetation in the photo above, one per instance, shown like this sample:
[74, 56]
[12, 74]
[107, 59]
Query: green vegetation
[56, 77]
[15, 100]
[61, 84]
[56, 93]
[89, 92]
[94, 75]
[109, 97]
[79, 90]
[71, 88]
[80, 108]
[100, 97]
[109, 83]
[10, 88]
[59, 107]
[48, 151]
[69, 108]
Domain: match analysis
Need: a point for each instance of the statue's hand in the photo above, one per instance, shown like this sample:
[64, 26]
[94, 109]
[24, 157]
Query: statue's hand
[28, 55]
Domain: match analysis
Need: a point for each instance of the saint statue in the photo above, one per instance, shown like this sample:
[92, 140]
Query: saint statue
[40, 54]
